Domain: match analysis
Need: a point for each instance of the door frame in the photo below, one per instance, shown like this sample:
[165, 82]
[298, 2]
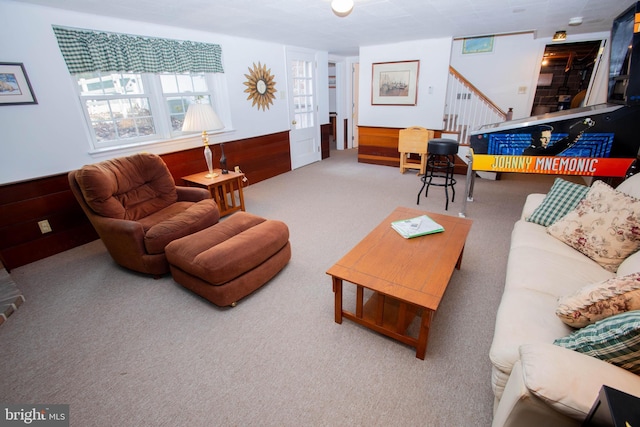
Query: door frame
[595, 72]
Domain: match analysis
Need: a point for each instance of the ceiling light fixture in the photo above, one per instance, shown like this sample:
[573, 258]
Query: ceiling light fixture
[559, 36]
[342, 8]
[575, 21]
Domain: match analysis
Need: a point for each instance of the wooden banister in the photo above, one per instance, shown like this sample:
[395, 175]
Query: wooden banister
[467, 108]
[475, 90]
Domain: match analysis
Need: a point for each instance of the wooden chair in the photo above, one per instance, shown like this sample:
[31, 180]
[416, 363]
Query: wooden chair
[414, 140]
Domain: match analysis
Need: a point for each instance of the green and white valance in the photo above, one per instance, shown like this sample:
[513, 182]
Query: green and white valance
[89, 51]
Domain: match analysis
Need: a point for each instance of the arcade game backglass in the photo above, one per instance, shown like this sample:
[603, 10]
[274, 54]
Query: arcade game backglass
[600, 140]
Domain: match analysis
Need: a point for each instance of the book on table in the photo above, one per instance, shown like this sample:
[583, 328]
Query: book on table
[418, 226]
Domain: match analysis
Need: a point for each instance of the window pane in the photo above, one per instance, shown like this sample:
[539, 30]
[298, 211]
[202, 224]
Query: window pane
[177, 109]
[199, 83]
[133, 128]
[120, 118]
[110, 84]
[184, 83]
[192, 87]
[139, 107]
[98, 110]
[145, 126]
[302, 72]
[131, 84]
[119, 105]
[304, 115]
[177, 105]
[105, 131]
[169, 83]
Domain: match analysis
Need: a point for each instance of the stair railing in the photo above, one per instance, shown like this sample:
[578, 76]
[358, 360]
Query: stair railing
[467, 108]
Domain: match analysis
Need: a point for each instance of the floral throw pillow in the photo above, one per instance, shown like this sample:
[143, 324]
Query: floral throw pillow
[600, 300]
[605, 226]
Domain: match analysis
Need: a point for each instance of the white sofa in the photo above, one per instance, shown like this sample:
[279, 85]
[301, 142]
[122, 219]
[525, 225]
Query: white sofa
[535, 382]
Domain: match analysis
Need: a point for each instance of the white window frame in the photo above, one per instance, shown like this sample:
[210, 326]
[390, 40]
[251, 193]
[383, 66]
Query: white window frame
[217, 93]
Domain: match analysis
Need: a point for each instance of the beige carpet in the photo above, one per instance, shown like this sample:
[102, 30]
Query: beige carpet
[123, 349]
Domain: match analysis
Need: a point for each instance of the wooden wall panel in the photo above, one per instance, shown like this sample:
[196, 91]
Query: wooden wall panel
[259, 158]
[325, 135]
[380, 146]
[23, 204]
[345, 129]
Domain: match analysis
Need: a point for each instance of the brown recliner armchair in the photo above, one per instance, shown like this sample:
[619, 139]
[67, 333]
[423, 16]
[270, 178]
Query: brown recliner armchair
[136, 209]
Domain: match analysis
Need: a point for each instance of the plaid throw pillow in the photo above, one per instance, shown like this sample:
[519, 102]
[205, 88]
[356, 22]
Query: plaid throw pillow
[562, 198]
[615, 340]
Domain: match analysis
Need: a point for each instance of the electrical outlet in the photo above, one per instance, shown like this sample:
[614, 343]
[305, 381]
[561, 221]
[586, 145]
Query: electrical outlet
[45, 227]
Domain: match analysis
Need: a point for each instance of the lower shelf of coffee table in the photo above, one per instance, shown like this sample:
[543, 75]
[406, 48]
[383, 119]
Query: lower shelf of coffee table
[388, 313]
[385, 315]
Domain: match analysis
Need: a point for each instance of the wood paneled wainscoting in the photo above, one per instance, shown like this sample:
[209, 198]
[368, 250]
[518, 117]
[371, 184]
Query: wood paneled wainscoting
[325, 146]
[24, 204]
[379, 146]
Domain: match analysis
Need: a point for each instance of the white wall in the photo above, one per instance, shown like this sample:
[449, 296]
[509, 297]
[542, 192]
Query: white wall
[514, 65]
[51, 137]
[432, 84]
[499, 74]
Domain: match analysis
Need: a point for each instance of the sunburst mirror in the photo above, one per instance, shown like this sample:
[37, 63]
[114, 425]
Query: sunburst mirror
[260, 86]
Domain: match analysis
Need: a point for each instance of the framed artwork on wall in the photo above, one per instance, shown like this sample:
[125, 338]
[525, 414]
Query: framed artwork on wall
[477, 45]
[15, 88]
[261, 86]
[395, 83]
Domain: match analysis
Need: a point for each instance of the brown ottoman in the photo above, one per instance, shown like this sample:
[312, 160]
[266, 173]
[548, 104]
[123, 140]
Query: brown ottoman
[231, 259]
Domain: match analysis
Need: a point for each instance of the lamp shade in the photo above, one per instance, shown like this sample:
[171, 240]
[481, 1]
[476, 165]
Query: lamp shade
[201, 117]
[342, 8]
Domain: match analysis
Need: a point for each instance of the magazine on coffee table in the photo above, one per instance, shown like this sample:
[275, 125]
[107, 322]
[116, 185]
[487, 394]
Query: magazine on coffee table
[418, 226]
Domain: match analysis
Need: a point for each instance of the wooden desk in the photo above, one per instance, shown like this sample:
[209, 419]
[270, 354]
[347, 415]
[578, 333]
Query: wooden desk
[222, 188]
[407, 276]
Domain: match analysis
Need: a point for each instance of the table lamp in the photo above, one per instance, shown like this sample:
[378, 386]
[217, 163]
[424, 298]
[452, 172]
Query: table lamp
[200, 118]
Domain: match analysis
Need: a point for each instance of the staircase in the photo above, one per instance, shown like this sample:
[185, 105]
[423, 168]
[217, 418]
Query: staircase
[467, 108]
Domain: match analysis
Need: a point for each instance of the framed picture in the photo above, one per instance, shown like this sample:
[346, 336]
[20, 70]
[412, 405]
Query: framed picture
[477, 45]
[395, 83]
[15, 88]
[332, 82]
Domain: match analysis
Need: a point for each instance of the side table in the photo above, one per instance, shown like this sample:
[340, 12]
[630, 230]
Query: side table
[613, 408]
[222, 187]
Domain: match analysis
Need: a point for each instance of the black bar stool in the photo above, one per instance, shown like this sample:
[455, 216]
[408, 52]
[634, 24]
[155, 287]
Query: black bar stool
[440, 164]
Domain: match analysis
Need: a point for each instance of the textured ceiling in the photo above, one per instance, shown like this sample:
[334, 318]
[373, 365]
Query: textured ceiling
[310, 23]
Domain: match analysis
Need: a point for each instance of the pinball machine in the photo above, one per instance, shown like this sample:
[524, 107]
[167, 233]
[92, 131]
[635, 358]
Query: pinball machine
[598, 140]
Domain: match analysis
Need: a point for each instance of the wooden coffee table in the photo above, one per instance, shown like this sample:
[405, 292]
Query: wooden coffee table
[408, 277]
